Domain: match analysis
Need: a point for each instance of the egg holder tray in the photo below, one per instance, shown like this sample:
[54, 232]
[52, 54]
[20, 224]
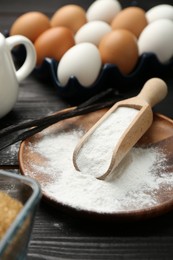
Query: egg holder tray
[148, 66]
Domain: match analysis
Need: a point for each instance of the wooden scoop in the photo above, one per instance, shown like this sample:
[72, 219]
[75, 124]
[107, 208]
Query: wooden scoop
[152, 92]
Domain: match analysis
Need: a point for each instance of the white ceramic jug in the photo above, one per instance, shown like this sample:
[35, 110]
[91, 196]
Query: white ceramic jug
[9, 76]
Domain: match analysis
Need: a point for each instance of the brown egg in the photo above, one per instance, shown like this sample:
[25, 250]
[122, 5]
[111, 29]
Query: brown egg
[31, 25]
[71, 16]
[132, 19]
[53, 43]
[119, 47]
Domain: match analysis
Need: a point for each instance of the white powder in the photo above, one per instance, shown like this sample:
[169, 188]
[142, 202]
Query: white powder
[136, 185]
[95, 155]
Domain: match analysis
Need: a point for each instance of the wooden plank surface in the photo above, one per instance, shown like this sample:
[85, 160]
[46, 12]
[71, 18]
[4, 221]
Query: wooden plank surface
[57, 235]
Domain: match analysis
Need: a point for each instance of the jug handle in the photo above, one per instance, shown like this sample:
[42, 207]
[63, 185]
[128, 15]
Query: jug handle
[30, 60]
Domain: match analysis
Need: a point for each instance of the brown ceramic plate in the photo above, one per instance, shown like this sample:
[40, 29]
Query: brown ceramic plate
[160, 135]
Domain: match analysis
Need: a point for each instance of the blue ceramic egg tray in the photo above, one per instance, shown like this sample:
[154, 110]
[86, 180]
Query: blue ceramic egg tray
[110, 77]
[148, 66]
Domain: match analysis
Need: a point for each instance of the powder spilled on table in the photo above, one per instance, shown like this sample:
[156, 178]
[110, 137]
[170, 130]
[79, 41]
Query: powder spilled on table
[135, 185]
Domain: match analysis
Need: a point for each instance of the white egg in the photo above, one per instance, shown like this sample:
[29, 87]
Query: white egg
[104, 10]
[157, 37]
[92, 32]
[160, 12]
[82, 61]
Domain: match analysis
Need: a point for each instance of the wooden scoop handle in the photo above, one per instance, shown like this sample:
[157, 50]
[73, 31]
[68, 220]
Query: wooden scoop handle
[153, 91]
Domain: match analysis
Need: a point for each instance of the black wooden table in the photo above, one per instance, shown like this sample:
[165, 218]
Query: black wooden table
[57, 235]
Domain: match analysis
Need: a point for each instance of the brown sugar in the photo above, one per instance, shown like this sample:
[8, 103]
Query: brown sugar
[9, 209]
